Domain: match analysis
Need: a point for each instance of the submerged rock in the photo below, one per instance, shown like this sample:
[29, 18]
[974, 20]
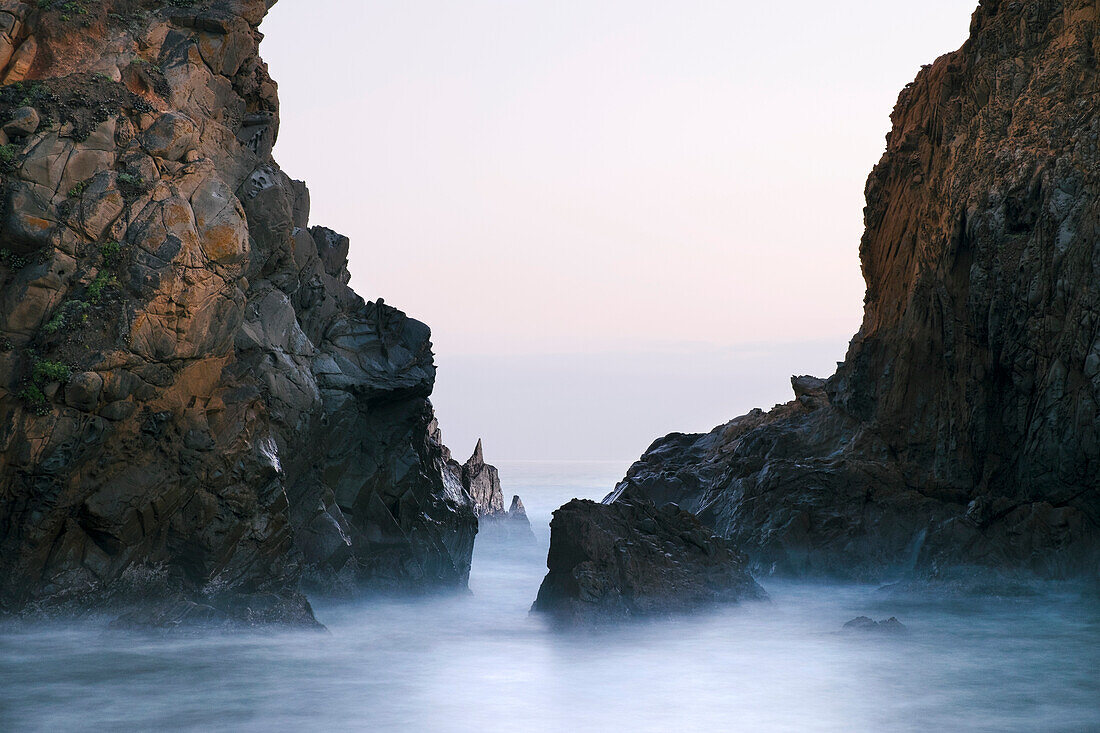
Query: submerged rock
[959, 436]
[189, 390]
[611, 562]
[865, 624]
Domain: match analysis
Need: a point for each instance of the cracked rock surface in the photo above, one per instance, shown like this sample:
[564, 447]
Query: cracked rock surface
[962, 432]
[197, 414]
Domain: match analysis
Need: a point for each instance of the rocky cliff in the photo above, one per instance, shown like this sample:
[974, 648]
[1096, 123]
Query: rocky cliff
[963, 428]
[195, 408]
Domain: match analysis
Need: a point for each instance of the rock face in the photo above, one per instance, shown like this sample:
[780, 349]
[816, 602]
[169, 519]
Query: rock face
[481, 482]
[611, 562]
[195, 409]
[963, 429]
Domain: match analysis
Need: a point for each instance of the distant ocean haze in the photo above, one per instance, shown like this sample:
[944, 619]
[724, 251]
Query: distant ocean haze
[611, 406]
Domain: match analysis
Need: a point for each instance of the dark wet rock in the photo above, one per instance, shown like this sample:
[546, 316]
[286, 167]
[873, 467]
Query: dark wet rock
[865, 625]
[236, 612]
[610, 562]
[190, 392]
[959, 436]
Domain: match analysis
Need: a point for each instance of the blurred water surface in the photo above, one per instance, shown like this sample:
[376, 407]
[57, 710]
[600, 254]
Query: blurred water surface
[479, 662]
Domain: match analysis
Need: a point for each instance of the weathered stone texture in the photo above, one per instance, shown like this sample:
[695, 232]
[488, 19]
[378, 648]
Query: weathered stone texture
[629, 559]
[195, 409]
[963, 429]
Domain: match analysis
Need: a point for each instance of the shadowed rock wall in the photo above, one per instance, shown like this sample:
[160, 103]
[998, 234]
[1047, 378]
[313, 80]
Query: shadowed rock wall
[963, 429]
[195, 408]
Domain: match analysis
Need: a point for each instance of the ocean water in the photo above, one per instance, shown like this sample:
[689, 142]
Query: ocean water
[480, 662]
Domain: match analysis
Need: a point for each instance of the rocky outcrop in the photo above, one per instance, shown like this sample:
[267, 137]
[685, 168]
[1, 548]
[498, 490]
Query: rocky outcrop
[961, 432]
[481, 482]
[629, 559]
[512, 525]
[867, 625]
[196, 410]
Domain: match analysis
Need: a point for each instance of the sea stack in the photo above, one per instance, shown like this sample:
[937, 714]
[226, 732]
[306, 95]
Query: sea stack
[481, 481]
[629, 559]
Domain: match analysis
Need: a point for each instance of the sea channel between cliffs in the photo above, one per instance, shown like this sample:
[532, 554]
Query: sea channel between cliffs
[481, 662]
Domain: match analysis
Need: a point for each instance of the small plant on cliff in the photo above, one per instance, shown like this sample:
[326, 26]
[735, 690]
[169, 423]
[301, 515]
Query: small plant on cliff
[7, 156]
[44, 4]
[35, 399]
[32, 92]
[130, 181]
[5, 343]
[110, 251]
[71, 313]
[73, 6]
[98, 289]
[12, 260]
[45, 371]
[56, 323]
[78, 190]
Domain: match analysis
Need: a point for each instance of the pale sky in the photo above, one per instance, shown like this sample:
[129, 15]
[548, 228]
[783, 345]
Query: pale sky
[619, 217]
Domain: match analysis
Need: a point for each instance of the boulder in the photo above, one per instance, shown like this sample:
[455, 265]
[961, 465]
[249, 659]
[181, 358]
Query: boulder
[630, 559]
[23, 121]
[82, 391]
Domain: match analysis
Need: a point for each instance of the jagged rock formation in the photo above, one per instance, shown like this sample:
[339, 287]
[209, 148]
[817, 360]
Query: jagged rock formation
[517, 511]
[195, 409]
[512, 525]
[481, 482]
[611, 562]
[963, 429]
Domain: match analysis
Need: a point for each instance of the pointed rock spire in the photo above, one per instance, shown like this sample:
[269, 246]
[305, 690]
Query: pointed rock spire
[482, 482]
[478, 457]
